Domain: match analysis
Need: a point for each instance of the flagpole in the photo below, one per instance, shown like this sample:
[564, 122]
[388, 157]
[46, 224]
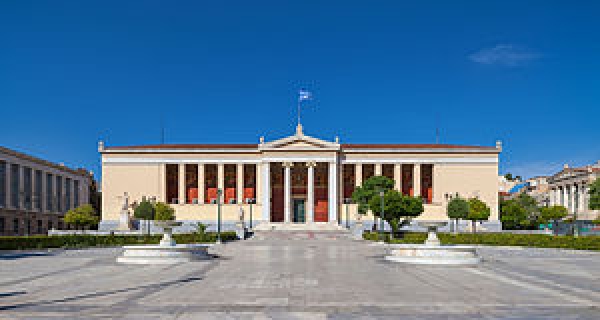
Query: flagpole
[298, 111]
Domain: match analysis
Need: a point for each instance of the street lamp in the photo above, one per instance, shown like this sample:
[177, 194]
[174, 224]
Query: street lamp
[250, 201]
[381, 194]
[347, 201]
[219, 192]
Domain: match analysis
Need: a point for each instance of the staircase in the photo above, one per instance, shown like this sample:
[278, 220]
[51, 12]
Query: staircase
[300, 231]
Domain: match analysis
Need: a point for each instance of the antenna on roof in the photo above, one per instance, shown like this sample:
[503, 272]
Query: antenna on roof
[162, 129]
[437, 128]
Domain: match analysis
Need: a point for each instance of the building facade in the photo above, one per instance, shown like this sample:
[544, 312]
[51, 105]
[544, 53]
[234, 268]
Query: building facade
[296, 179]
[35, 194]
[570, 188]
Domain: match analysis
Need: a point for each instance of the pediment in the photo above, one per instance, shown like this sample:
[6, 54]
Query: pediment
[299, 141]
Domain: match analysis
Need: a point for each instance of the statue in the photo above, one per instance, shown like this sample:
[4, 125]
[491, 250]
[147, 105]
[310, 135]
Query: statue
[240, 229]
[124, 219]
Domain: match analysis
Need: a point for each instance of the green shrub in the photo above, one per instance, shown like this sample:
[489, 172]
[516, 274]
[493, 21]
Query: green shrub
[82, 241]
[502, 239]
[163, 212]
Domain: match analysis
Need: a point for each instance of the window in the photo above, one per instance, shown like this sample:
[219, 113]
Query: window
[37, 196]
[16, 226]
[2, 225]
[14, 185]
[39, 227]
[27, 188]
[76, 193]
[2, 185]
[50, 225]
[59, 194]
[67, 194]
[49, 193]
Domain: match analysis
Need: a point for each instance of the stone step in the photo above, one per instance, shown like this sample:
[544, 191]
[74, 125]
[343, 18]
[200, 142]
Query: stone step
[315, 226]
[301, 235]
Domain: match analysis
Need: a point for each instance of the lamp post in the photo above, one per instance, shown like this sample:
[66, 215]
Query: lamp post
[347, 201]
[219, 192]
[575, 209]
[381, 194]
[250, 201]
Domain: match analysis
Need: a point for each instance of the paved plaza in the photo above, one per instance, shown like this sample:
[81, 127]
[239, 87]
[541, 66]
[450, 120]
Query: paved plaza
[300, 279]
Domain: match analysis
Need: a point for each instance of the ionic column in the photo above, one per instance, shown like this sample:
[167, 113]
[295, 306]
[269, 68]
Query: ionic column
[201, 183]
[358, 174]
[398, 177]
[333, 195]
[221, 179]
[572, 198]
[21, 189]
[181, 194]
[310, 193]
[258, 182]
[565, 198]
[7, 184]
[240, 182]
[417, 179]
[33, 189]
[266, 191]
[378, 169]
[582, 204]
[43, 196]
[287, 191]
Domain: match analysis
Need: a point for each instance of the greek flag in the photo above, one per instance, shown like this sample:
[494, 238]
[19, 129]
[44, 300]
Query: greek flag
[304, 95]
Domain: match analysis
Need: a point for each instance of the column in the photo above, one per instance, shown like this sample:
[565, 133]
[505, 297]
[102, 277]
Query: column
[333, 195]
[582, 193]
[398, 177]
[358, 174]
[181, 181]
[572, 198]
[266, 191]
[201, 183]
[7, 186]
[417, 179]
[221, 179]
[310, 193]
[44, 200]
[378, 169]
[33, 198]
[287, 191]
[21, 190]
[240, 183]
[258, 182]
[564, 199]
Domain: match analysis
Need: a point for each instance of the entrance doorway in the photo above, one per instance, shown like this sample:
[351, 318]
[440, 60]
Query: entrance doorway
[299, 212]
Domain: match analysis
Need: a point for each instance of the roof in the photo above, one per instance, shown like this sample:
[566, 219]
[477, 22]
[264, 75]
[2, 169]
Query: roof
[255, 146]
[20, 155]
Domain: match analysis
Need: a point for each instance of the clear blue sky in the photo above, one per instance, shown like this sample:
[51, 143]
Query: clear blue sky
[524, 72]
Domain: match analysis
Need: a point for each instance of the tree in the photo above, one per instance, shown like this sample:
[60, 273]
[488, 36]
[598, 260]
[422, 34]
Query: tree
[164, 212]
[144, 210]
[82, 216]
[553, 214]
[478, 211]
[370, 188]
[594, 193]
[513, 215]
[532, 210]
[458, 208]
[509, 177]
[399, 209]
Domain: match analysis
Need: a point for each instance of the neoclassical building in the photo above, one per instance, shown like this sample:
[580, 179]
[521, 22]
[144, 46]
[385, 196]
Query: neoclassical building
[297, 179]
[570, 188]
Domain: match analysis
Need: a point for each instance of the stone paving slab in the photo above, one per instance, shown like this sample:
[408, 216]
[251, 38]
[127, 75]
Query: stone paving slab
[300, 279]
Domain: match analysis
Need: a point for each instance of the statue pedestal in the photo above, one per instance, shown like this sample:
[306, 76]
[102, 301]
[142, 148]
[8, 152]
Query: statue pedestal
[124, 221]
[240, 231]
[357, 230]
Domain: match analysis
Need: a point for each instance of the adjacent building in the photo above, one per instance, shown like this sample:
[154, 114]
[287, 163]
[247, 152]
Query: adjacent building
[35, 193]
[297, 179]
[570, 188]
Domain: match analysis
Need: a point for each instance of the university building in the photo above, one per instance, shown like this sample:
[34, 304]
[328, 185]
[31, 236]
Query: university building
[570, 188]
[35, 194]
[297, 179]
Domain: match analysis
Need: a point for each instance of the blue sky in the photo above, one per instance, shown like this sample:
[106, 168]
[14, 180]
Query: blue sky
[524, 72]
